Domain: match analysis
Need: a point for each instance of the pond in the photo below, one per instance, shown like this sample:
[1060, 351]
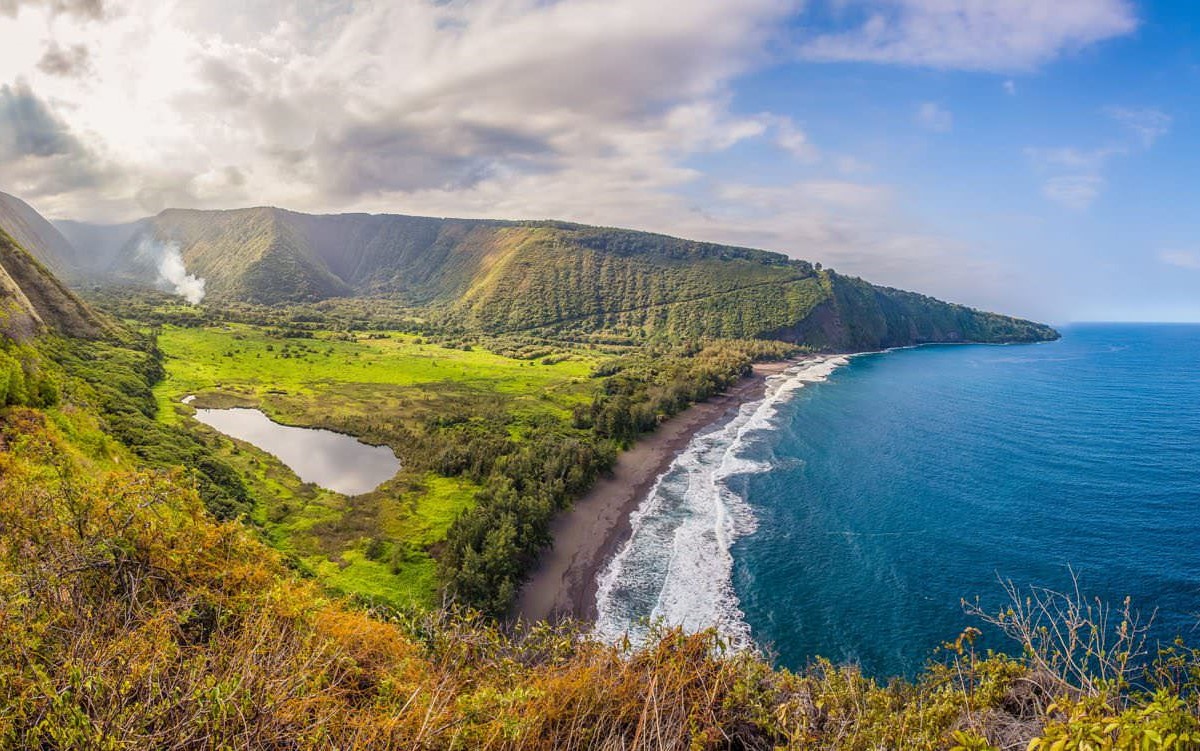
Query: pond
[334, 461]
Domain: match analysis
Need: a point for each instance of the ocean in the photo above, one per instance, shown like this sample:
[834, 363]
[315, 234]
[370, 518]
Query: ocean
[851, 511]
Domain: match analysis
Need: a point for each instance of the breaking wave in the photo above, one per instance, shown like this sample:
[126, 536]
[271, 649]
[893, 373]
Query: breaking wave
[676, 567]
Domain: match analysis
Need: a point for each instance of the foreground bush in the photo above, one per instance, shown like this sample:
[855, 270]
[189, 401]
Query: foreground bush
[129, 619]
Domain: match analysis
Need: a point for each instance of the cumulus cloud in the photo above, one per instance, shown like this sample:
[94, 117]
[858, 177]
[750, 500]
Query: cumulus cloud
[29, 128]
[1182, 259]
[1013, 35]
[326, 106]
[932, 116]
[39, 154]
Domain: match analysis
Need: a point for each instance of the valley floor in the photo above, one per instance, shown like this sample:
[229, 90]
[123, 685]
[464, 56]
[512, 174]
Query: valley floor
[384, 387]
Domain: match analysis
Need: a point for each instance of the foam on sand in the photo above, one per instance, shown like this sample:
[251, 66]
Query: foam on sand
[676, 568]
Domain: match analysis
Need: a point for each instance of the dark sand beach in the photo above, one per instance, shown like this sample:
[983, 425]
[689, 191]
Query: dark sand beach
[563, 585]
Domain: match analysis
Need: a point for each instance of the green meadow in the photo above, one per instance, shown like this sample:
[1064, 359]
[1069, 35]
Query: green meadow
[386, 388]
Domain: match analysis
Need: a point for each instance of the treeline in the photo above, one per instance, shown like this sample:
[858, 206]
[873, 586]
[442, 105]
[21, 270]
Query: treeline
[133, 620]
[116, 380]
[490, 547]
[642, 389]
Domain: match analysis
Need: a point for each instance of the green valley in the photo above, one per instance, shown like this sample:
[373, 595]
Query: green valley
[200, 595]
[385, 385]
[505, 363]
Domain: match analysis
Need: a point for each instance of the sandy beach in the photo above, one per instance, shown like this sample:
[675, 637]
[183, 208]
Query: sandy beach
[563, 585]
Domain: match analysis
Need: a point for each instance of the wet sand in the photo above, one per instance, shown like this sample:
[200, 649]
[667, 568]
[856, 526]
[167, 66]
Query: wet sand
[563, 585]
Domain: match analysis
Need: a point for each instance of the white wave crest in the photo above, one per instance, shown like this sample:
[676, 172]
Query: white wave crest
[676, 568]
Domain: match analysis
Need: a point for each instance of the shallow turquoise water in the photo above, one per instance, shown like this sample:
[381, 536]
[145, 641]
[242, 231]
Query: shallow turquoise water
[849, 517]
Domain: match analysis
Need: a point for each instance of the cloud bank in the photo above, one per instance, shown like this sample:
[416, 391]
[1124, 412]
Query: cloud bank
[589, 110]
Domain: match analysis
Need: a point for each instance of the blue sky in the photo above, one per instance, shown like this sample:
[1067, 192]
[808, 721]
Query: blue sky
[977, 155]
[1034, 157]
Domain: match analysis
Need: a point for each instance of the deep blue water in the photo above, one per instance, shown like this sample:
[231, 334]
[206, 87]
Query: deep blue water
[912, 479]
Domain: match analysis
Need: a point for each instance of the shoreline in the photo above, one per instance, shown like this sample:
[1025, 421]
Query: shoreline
[563, 584]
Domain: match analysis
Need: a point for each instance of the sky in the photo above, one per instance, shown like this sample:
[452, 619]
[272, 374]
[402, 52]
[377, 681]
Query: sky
[1036, 157]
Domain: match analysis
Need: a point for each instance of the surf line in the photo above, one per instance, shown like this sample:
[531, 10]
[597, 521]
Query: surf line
[676, 568]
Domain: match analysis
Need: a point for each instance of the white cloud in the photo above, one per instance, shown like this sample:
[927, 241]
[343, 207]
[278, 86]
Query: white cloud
[1073, 191]
[1147, 124]
[331, 104]
[934, 117]
[588, 110]
[969, 34]
[792, 139]
[1183, 259]
[1010, 87]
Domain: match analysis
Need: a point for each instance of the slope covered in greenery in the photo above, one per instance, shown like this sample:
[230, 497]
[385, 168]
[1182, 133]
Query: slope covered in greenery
[138, 610]
[132, 619]
[32, 299]
[551, 278]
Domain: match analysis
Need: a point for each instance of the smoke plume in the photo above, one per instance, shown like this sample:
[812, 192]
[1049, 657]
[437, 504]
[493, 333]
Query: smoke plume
[173, 272]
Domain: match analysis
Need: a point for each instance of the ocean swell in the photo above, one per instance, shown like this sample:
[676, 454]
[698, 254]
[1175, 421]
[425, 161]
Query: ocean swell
[676, 567]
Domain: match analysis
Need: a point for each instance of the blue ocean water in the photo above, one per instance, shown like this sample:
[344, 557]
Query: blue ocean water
[856, 512]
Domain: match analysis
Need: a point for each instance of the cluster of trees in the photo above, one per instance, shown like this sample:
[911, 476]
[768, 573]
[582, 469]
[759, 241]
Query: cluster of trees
[642, 389]
[490, 547]
[23, 377]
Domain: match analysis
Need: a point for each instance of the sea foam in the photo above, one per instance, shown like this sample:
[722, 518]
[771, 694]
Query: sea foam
[676, 567]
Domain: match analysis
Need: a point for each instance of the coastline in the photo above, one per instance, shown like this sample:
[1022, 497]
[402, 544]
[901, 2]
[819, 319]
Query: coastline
[563, 584]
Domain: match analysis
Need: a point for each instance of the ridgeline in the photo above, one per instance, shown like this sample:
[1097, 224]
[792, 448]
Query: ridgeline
[549, 279]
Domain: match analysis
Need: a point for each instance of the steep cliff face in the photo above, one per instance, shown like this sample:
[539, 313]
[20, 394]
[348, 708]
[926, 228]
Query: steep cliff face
[855, 316]
[35, 234]
[32, 300]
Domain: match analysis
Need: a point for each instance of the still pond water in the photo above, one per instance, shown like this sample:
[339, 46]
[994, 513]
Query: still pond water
[334, 461]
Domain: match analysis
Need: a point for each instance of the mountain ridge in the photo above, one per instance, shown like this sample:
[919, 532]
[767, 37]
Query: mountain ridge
[36, 235]
[543, 276]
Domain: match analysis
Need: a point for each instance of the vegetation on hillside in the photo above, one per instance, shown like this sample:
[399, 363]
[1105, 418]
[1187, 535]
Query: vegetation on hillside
[32, 299]
[30, 230]
[858, 316]
[551, 279]
[495, 434]
[131, 619]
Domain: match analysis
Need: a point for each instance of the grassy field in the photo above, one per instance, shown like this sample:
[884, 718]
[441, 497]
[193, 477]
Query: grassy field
[375, 545]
